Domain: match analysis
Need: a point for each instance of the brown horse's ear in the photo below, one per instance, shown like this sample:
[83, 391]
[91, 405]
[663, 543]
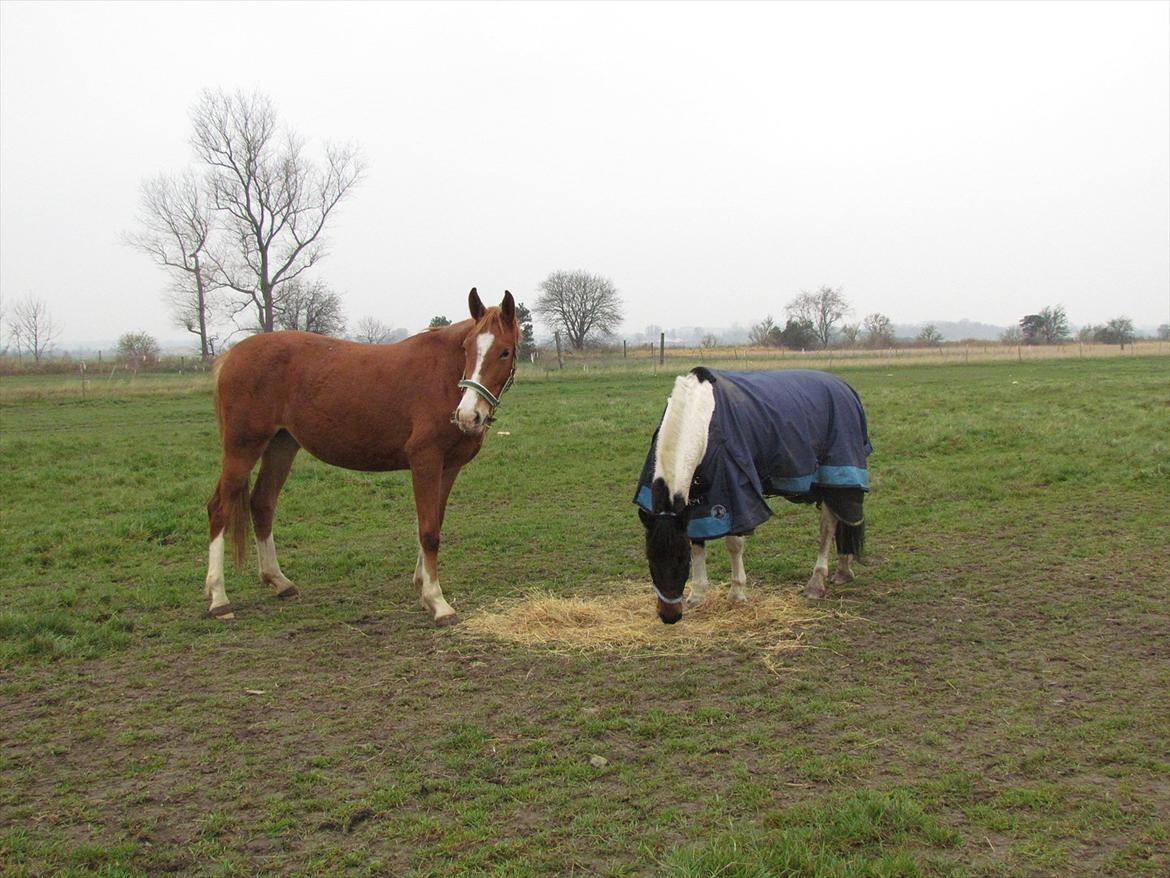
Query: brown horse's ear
[476, 306]
[508, 308]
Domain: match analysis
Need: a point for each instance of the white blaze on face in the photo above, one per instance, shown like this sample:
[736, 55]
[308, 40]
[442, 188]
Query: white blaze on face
[472, 401]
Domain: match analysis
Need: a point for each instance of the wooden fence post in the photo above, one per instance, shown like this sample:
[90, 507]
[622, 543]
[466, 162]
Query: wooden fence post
[661, 348]
[560, 358]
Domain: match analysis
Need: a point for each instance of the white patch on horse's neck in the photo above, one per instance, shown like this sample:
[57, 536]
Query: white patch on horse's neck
[682, 438]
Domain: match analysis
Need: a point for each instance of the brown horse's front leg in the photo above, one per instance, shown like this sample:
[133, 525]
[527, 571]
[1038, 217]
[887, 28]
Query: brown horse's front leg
[430, 491]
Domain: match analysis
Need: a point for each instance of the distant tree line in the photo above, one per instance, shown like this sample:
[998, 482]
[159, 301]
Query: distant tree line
[817, 320]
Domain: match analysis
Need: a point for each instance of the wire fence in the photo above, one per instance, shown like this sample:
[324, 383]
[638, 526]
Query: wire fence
[80, 379]
[676, 360]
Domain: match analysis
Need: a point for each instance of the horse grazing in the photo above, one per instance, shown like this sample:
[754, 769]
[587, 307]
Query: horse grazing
[423, 404]
[729, 439]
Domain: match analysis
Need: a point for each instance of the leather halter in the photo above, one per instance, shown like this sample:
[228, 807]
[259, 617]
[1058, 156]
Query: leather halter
[661, 596]
[492, 399]
[665, 599]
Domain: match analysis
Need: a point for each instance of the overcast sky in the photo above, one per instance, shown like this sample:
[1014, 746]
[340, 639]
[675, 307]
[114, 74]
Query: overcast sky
[936, 160]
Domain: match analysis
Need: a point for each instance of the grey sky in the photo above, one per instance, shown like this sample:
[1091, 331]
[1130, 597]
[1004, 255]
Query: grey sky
[938, 161]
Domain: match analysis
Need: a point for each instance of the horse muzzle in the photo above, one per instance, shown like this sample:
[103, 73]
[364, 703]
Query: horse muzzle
[474, 423]
[669, 613]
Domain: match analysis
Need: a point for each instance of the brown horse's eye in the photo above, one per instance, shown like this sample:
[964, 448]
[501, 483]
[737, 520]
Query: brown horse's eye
[504, 355]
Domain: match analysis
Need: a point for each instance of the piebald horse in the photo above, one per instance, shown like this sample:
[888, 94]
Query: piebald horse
[422, 404]
[728, 440]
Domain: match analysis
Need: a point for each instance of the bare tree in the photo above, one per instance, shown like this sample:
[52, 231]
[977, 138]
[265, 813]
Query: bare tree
[930, 335]
[1012, 336]
[765, 333]
[311, 307]
[33, 328]
[582, 304]
[823, 309]
[176, 233]
[1119, 330]
[851, 332]
[137, 349]
[371, 330]
[273, 201]
[879, 329]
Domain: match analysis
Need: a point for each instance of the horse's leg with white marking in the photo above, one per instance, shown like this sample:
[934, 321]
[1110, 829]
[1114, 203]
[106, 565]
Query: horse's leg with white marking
[449, 474]
[816, 583]
[227, 513]
[274, 468]
[738, 593]
[213, 585]
[426, 473]
[699, 581]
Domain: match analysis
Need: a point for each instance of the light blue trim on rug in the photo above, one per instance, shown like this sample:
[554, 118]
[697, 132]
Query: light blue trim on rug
[843, 476]
[707, 528]
[830, 476]
[643, 498]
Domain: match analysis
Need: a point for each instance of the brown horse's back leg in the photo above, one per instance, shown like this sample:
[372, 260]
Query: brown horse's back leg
[275, 464]
[227, 515]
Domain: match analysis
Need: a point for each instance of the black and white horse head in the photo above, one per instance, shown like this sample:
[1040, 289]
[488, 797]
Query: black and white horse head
[667, 548]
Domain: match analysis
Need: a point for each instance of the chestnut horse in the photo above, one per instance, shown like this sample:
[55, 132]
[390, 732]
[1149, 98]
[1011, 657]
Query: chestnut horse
[423, 404]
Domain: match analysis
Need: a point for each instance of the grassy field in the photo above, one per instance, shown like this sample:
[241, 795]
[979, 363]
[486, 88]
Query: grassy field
[997, 702]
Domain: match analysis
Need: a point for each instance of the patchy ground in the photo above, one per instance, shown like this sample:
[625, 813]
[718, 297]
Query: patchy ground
[995, 704]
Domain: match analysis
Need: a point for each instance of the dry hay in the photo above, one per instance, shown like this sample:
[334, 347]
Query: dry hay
[622, 619]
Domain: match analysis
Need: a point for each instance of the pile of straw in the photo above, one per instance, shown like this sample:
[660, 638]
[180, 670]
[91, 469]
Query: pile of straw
[621, 618]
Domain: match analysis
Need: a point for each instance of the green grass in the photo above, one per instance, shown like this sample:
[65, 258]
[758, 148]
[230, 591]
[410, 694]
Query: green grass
[1000, 709]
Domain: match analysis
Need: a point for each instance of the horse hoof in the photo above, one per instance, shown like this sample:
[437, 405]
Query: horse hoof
[737, 600]
[815, 594]
[694, 602]
[840, 578]
[449, 619]
[286, 593]
[223, 612]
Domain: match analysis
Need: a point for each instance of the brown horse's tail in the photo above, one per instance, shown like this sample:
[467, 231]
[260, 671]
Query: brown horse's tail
[234, 498]
[239, 517]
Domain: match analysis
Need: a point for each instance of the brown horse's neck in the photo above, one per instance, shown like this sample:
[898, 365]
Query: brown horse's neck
[449, 339]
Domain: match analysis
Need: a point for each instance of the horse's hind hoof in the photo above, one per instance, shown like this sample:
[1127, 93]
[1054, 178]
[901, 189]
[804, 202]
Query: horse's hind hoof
[286, 593]
[223, 612]
[841, 578]
[449, 619]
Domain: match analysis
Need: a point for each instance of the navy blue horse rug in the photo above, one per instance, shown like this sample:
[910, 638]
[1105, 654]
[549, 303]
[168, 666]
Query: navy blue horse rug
[797, 434]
